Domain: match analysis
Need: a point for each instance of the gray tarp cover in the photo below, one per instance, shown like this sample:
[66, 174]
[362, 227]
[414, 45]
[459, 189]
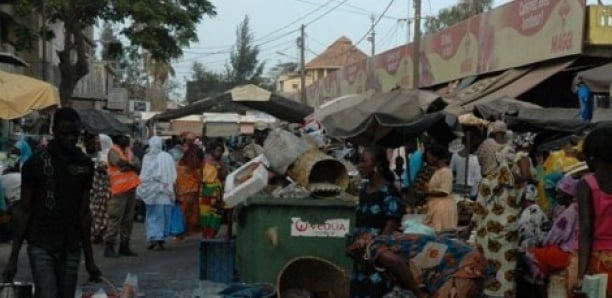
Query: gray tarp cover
[555, 119]
[390, 118]
[278, 106]
[101, 122]
[599, 79]
[501, 107]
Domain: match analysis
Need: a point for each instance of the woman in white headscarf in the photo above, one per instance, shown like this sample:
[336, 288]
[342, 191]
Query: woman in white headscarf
[100, 190]
[158, 176]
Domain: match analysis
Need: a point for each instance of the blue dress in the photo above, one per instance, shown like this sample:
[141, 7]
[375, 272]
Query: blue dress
[373, 212]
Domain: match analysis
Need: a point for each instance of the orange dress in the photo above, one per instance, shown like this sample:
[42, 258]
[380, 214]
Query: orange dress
[188, 193]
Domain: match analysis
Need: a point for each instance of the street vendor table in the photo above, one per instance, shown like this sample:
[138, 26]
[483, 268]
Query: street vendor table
[272, 231]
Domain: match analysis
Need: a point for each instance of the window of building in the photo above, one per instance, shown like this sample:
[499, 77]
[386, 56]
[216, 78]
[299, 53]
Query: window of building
[294, 86]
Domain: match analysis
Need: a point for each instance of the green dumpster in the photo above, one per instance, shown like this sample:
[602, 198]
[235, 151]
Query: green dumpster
[271, 232]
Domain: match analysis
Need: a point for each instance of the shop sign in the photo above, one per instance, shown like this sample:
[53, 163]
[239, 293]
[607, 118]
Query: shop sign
[334, 228]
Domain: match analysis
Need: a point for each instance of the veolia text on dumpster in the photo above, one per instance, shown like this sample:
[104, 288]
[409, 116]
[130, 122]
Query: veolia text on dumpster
[337, 227]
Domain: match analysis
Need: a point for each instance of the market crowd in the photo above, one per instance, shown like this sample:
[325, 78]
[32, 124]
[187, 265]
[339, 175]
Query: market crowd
[503, 218]
[79, 189]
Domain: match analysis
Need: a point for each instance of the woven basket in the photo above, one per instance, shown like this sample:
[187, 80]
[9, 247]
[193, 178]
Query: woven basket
[315, 166]
[317, 275]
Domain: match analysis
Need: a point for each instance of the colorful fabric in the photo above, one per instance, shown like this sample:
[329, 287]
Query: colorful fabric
[542, 261]
[547, 192]
[24, 149]
[373, 212]
[99, 195]
[188, 185]
[442, 211]
[601, 263]
[437, 262]
[211, 199]
[419, 186]
[564, 230]
[568, 185]
[415, 164]
[496, 214]
[532, 223]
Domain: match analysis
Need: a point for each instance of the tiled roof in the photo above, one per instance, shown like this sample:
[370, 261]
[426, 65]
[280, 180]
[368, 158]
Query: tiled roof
[340, 53]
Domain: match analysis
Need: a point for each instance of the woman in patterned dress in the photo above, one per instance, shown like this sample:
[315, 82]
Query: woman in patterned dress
[100, 190]
[428, 266]
[211, 200]
[379, 212]
[188, 184]
[496, 214]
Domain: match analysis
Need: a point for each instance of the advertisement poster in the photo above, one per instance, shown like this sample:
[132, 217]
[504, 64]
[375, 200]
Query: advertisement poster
[518, 33]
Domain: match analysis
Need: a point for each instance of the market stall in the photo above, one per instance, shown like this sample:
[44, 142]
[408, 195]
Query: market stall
[102, 122]
[20, 95]
[240, 99]
[388, 119]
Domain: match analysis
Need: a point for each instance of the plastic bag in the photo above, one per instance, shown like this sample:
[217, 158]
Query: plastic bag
[412, 226]
[282, 148]
[177, 224]
[130, 286]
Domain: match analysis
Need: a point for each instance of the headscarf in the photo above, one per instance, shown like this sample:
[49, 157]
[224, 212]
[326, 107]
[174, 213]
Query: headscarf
[550, 188]
[498, 126]
[106, 144]
[158, 173]
[25, 149]
[487, 156]
[568, 185]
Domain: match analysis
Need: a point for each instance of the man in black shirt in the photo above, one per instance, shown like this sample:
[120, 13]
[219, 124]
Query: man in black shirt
[55, 217]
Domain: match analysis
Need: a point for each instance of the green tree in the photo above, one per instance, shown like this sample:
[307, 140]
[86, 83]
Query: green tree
[204, 83]
[244, 66]
[162, 28]
[112, 49]
[462, 10]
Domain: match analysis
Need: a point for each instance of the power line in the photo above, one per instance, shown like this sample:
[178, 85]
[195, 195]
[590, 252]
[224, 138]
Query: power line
[327, 12]
[375, 22]
[389, 37]
[362, 11]
[200, 55]
[284, 27]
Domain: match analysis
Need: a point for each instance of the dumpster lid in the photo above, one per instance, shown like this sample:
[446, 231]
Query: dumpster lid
[306, 202]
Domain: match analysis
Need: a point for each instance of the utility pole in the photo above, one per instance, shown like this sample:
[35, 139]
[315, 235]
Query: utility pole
[372, 38]
[43, 65]
[302, 45]
[416, 45]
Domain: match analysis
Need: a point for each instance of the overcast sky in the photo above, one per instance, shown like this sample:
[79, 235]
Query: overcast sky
[276, 23]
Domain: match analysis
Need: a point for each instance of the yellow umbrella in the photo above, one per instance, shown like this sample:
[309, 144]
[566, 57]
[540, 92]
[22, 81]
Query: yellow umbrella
[20, 94]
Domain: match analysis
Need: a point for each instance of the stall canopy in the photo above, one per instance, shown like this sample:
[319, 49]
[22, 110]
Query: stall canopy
[512, 83]
[19, 95]
[500, 107]
[338, 104]
[555, 119]
[101, 121]
[242, 98]
[390, 118]
[599, 79]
